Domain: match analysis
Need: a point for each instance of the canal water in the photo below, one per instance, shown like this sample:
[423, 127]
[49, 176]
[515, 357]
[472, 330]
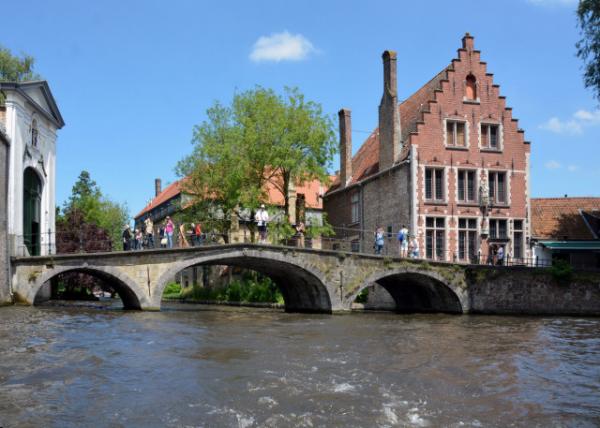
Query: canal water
[208, 366]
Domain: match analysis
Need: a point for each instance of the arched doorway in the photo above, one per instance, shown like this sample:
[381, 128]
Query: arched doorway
[32, 207]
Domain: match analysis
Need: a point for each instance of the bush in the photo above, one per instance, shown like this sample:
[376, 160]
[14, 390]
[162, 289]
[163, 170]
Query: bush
[172, 290]
[362, 296]
[251, 289]
[561, 271]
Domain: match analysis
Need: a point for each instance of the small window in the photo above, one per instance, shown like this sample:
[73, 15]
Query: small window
[490, 136]
[471, 88]
[456, 135]
[34, 133]
[518, 239]
[434, 184]
[467, 239]
[498, 229]
[466, 186]
[355, 246]
[497, 183]
[355, 207]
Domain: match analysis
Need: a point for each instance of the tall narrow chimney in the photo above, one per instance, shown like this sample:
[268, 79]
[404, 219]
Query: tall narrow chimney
[345, 146]
[157, 187]
[389, 114]
[468, 42]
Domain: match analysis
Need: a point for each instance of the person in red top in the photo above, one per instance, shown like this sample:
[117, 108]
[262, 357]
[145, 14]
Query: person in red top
[198, 234]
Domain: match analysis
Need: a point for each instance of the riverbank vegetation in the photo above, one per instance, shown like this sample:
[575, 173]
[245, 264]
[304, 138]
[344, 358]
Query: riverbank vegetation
[247, 289]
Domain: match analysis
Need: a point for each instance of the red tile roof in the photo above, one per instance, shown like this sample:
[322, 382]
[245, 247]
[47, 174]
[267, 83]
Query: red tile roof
[560, 218]
[312, 191]
[366, 161]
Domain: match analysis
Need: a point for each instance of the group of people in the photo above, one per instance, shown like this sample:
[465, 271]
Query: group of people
[408, 246]
[189, 234]
[496, 255]
[143, 238]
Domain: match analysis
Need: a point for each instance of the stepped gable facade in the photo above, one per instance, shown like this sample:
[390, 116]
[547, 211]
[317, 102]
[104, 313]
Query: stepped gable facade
[450, 162]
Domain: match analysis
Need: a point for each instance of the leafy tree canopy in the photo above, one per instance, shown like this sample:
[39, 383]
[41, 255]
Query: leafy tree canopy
[89, 206]
[588, 48]
[262, 137]
[14, 68]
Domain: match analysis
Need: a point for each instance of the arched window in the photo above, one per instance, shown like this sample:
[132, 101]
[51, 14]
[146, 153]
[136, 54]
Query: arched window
[471, 88]
[34, 133]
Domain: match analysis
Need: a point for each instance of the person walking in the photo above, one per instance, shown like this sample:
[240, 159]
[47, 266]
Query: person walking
[198, 233]
[500, 256]
[183, 242]
[379, 240]
[300, 230]
[127, 238]
[414, 244]
[169, 228]
[262, 218]
[149, 225]
[139, 237]
[403, 241]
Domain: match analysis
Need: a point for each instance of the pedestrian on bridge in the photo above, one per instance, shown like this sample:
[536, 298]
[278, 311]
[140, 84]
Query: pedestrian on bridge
[149, 232]
[127, 238]
[262, 218]
[169, 228]
[379, 240]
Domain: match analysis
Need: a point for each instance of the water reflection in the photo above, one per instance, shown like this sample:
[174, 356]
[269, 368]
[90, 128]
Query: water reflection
[206, 366]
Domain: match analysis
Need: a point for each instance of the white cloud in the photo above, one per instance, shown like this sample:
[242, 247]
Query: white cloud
[572, 168]
[553, 165]
[282, 47]
[575, 125]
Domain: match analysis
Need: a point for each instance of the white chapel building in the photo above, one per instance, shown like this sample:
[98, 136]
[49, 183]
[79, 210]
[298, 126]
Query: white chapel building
[30, 119]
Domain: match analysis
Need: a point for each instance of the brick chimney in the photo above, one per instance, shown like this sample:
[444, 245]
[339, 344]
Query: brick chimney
[468, 42]
[157, 187]
[389, 114]
[345, 146]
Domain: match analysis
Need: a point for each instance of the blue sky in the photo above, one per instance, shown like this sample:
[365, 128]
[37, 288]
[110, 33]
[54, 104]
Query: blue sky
[132, 77]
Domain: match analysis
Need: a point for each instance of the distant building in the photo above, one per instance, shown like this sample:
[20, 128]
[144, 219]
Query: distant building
[567, 229]
[450, 162]
[31, 119]
[305, 203]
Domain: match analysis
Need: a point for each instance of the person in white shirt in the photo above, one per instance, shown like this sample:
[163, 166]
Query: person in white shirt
[262, 218]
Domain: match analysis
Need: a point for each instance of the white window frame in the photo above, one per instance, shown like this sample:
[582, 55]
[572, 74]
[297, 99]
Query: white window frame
[500, 136]
[447, 140]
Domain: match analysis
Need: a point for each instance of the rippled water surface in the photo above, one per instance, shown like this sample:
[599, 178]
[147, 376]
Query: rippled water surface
[214, 366]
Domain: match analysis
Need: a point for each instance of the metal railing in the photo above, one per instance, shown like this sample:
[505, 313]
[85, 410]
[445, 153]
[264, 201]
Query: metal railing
[73, 243]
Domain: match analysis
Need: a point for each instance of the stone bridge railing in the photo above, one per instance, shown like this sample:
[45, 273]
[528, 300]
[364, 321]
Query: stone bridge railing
[319, 280]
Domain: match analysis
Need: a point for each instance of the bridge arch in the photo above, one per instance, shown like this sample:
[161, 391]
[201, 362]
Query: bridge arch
[300, 283]
[130, 293]
[415, 290]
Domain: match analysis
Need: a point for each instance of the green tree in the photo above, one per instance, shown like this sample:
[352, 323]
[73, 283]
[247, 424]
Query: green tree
[14, 68]
[262, 137]
[96, 209]
[588, 48]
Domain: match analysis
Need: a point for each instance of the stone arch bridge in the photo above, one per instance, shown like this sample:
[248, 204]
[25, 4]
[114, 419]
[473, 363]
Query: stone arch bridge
[321, 280]
[310, 280]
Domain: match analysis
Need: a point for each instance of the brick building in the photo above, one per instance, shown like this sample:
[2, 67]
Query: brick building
[449, 162]
[566, 229]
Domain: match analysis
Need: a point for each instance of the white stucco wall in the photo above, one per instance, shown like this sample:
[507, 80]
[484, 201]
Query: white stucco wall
[19, 116]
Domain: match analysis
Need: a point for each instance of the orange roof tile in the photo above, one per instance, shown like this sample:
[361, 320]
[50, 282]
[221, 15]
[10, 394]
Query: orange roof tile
[170, 192]
[560, 218]
[312, 191]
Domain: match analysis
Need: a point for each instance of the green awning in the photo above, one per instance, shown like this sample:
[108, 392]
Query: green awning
[572, 245]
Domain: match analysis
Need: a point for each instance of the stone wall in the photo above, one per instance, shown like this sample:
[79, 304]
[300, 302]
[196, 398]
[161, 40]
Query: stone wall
[532, 291]
[4, 250]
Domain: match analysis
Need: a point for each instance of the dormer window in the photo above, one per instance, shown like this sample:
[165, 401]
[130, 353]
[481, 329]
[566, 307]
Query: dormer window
[471, 88]
[34, 133]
